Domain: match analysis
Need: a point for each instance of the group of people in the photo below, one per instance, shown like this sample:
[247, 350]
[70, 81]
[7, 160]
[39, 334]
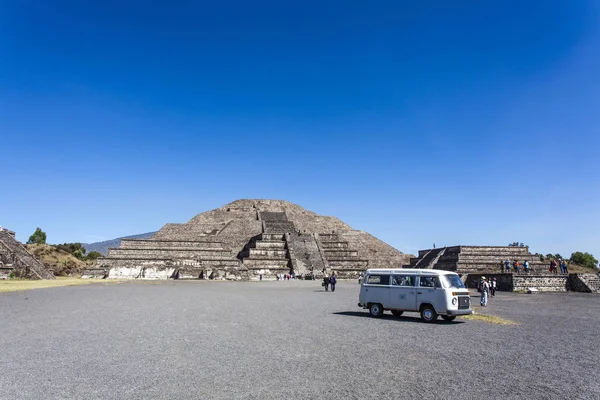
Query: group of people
[564, 268]
[329, 281]
[284, 277]
[515, 266]
[487, 289]
[509, 266]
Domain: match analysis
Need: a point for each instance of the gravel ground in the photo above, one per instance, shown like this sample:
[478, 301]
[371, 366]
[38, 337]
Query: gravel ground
[274, 340]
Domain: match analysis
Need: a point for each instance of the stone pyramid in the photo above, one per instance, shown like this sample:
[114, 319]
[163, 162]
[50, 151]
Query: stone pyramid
[251, 239]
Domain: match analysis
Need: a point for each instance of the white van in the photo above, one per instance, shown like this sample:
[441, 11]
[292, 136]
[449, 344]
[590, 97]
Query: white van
[428, 291]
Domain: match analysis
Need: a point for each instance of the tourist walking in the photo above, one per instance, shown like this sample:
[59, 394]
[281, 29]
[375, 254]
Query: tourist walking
[493, 287]
[333, 281]
[326, 283]
[485, 291]
[516, 266]
[526, 266]
[507, 266]
[565, 267]
[553, 266]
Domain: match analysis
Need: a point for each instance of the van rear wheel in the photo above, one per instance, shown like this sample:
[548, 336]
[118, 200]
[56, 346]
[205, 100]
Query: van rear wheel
[448, 317]
[376, 310]
[397, 313]
[428, 313]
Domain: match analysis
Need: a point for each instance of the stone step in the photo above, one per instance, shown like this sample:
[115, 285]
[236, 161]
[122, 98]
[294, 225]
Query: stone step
[329, 253]
[265, 262]
[155, 244]
[170, 254]
[272, 237]
[491, 258]
[267, 253]
[334, 245]
[348, 264]
[263, 244]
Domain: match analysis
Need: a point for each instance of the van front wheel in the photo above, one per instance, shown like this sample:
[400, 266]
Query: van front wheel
[428, 313]
[376, 310]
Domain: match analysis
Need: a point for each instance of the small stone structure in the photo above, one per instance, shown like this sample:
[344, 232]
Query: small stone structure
[251, 239]
[475, 259]
[22, 263]
[473, 262]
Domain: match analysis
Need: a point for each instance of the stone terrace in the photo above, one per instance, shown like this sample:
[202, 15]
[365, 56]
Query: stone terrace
[475, 259]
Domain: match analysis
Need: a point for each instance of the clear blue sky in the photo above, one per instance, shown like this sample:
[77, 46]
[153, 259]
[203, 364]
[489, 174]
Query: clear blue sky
[454, 122]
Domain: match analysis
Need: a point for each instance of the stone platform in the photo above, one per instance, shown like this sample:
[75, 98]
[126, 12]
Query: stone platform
[476, 259]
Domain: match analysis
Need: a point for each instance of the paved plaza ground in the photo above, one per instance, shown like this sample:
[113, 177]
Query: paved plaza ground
[276, 340]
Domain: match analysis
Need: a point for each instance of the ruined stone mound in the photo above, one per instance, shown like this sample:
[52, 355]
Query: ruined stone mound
[17, 261]
[251, 239]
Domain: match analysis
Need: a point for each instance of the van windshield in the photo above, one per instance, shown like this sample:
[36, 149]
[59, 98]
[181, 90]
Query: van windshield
[452, 282]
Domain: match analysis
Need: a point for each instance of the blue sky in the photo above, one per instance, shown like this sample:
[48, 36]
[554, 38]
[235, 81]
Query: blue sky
[449, 122]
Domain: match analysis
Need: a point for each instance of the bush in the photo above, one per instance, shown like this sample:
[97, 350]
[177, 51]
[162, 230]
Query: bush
[38, 237]
[93, 255]
[584, 259]
[79, 253]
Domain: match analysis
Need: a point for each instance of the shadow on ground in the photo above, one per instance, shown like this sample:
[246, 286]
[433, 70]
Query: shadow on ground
[392, 318]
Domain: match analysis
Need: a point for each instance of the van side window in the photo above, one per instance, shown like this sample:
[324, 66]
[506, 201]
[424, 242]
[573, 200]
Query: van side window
[429, 281]
[378, 280]
[403, 280]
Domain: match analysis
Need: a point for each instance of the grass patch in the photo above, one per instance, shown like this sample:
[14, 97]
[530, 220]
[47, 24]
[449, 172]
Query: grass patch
[490, 319]
[14, 285]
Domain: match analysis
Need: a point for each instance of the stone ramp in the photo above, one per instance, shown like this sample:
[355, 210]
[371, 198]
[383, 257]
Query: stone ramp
[23, 262]
[427, 260]
[589, 282]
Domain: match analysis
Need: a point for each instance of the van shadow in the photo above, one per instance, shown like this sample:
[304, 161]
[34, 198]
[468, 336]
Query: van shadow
[393, 318]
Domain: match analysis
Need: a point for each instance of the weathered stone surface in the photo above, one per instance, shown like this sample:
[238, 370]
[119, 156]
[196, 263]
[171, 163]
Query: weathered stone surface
[248, 239]
[24, 264]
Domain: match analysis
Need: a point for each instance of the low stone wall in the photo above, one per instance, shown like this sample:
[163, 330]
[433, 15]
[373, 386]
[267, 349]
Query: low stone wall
[98, 273]
[504, 282]
[141, 273]
[541, 282]
[5, 272]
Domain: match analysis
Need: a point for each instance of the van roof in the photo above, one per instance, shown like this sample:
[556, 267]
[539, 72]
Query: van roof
[409, 271]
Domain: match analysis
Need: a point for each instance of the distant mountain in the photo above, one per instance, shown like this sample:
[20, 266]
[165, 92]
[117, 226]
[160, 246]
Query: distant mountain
[102, 247]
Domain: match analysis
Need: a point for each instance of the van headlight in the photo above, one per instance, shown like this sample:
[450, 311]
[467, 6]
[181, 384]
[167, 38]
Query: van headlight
[454, 301]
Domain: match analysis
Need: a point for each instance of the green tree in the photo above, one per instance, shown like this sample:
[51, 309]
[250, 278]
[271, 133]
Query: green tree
[93, 255]
[38, 237]
[585, 259]
[79, 253]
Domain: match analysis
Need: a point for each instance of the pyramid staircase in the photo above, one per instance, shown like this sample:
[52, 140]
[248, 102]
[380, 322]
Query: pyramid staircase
[268, 254]
[340, 258]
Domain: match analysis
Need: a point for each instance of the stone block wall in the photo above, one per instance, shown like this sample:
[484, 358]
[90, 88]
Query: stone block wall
[541, 282]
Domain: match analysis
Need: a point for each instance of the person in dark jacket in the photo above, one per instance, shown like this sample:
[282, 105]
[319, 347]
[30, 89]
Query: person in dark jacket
[326, 282]
[333, 281]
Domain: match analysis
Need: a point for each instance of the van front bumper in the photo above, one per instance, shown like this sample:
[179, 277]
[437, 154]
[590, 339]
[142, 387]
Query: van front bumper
[460, 312]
